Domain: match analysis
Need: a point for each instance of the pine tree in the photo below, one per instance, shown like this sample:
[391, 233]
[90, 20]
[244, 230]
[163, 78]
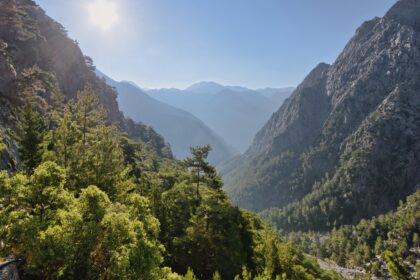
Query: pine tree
[216, 276]
[396, 268]
[32, 126]
[89, 113]
[201, 170]
[88, 147]
[65, 138]
[190, 275]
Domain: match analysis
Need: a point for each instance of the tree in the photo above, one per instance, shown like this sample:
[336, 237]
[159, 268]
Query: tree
[201, 170]
[95, 238]
[89, 112]
[379, 247]
[32, 126]
[64, 139]
[87, 146]
[30, 204]
[207, 236]
[272, 255]
[190, 275]
[396, 268]
[216, 276]
[197, 163]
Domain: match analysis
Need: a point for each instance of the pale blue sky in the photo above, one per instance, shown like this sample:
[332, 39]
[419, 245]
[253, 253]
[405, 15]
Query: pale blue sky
[253, 43]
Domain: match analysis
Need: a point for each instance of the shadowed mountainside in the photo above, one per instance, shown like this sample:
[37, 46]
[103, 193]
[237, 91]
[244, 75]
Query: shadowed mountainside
[345, 145]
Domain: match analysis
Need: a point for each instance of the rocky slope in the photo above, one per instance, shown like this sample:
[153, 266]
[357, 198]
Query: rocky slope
[37, 55]
[346, 144]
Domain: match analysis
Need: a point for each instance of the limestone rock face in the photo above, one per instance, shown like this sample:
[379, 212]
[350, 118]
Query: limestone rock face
[348, 136]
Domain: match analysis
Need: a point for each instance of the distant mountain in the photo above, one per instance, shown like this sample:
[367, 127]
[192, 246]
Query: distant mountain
[236, 113]
[346, 144]
[181, 129]
[205, 87]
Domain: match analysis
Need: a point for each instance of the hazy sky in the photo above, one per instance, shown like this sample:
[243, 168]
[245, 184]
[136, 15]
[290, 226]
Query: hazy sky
[253, 43]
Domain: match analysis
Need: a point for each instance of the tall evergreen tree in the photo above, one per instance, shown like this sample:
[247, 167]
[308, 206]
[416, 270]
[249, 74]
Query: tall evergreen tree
[201, 170]
[396, 268]
[88, 147]
[33, 128]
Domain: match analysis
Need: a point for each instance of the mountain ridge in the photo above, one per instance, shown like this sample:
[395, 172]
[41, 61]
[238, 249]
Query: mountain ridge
[319, 170]
[180, 128]
[223, 107]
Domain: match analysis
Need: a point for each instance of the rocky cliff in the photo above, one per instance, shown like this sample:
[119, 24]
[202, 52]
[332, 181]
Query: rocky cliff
[345, 145]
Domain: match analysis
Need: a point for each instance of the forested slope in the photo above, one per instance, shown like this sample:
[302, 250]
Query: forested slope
[373, 244]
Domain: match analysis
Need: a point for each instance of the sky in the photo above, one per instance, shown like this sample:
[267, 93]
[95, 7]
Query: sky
[175, 43]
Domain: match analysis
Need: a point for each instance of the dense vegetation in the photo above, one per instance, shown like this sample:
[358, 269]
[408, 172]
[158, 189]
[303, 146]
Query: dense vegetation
[370, 242]
[91, 202]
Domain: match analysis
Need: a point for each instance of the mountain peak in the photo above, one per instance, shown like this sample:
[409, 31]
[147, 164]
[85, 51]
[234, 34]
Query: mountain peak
[205, 87]
[315, 74]
[406, 12]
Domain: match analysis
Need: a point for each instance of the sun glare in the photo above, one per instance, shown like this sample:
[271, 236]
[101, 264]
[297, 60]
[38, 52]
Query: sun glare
[103, 13]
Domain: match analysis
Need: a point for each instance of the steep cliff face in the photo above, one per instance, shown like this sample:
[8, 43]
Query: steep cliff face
[296, 123]
[29, 39]
[346, 146]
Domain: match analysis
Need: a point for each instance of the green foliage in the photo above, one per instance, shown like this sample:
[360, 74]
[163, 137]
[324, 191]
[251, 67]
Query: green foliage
[153, 141]
[396, 268]
[87, 147]
[32, 126]
[201, 169]
[2, 145]
[190, 275]
[30, 204]
[208, 234]
[101, 239]
[36, 88]
[359, 245]
[216, 276]
[101, 204]
[85, 238]
[292, 264]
